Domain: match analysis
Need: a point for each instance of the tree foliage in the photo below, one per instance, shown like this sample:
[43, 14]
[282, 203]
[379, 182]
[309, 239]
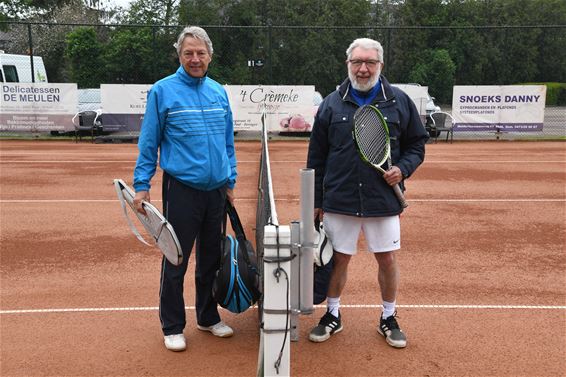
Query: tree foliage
[437, 70]
[83, 51]
[437, 43]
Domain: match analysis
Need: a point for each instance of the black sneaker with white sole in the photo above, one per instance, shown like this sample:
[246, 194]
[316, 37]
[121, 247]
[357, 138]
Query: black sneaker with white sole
[389, 328]
[328, 326]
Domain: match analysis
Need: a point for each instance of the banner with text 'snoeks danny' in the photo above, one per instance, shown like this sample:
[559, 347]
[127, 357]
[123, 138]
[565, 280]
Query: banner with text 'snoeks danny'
[509, 108]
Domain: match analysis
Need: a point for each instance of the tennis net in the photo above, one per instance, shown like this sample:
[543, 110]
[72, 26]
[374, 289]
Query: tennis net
[266, 213]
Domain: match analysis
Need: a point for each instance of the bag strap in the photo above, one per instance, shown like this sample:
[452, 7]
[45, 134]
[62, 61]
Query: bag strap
[235, 221]
[237, 228]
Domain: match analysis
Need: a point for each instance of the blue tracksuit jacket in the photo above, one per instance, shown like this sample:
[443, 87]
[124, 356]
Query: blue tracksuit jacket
[189, 120]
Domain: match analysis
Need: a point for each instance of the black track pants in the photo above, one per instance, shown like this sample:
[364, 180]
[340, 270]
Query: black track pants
[195, 215]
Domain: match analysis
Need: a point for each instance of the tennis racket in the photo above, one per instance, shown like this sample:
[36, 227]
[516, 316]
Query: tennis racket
[154, 223]
[371, 136]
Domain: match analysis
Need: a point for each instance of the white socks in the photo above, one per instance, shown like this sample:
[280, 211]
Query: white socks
[388, 309]
[333, 305]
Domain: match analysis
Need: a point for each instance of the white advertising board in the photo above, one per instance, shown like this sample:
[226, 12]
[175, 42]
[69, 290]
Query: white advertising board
[517, 108]
[289, 108]
[123, 106]
[37, 107]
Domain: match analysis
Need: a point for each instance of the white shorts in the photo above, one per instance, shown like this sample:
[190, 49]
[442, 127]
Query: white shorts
[382, 234]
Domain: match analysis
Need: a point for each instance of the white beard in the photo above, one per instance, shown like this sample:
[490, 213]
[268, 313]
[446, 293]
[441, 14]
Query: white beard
[364, 87]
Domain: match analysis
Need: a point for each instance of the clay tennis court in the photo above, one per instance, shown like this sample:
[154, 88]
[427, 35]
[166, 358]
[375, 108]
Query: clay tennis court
[483, 262]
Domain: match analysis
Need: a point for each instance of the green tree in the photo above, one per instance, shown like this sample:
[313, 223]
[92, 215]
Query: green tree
[551, 41]
[437, 72]
[49, 40]
[83, 51]
[316, 56]
[28, 9]
[292, 37]
[157, 12]
[233, 46]
[129, 57]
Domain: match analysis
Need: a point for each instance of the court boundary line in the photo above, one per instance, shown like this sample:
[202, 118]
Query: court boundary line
[129, 161]
[295, 161]
[287, 200]
[348, 306]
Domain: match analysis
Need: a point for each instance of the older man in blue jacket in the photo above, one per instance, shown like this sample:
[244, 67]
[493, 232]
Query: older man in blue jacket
[189, 121]
[350, 196]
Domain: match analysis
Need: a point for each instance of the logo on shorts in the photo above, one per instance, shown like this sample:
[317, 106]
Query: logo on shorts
[395, 242]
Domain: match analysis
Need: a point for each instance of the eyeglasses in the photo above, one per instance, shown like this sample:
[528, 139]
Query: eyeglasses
[358, 63]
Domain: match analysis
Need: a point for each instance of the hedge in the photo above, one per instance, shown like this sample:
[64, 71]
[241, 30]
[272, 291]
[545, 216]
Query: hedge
[555, 92]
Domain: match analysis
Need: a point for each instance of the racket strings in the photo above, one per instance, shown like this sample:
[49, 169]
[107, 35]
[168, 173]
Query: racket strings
[371, 136]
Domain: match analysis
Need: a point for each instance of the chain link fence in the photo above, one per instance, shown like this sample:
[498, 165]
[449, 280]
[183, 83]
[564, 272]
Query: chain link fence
[94, 54]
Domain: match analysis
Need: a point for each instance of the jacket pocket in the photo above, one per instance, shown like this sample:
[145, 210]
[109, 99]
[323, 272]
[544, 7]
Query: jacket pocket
[340, 131]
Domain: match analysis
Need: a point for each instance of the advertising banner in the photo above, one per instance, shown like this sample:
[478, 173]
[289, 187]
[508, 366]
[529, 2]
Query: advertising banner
[123, 106]
[37, 107]
[288, 108]
[518, 108]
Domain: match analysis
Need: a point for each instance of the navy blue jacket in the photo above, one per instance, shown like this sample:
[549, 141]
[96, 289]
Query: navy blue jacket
[346, 185]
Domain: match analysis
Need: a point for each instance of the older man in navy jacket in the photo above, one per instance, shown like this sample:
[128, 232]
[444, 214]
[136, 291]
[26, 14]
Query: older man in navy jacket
[350, 196]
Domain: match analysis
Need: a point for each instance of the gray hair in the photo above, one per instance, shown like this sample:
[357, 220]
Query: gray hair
[366, 44]
[193, 32]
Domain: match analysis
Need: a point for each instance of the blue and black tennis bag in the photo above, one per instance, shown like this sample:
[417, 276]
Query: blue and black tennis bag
[236, 285]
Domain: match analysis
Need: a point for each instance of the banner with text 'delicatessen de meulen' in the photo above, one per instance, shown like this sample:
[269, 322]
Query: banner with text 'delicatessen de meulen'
[37, 107]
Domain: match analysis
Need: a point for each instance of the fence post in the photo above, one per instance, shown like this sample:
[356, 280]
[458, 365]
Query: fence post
[269, 52]
[31, 53]
[153, 49]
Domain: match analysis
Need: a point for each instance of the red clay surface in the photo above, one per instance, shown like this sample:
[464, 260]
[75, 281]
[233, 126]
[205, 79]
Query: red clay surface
[484, 236]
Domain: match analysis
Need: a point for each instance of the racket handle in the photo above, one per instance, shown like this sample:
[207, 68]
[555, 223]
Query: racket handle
[400, 196]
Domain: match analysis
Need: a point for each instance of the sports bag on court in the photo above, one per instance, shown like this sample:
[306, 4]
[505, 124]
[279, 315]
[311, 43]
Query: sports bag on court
[236, 285]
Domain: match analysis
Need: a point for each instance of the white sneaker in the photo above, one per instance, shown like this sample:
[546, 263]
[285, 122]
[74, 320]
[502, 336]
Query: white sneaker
[220, 330]
[175, 342]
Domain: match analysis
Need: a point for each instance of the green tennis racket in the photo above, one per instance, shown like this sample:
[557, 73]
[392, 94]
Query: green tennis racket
[371, 136]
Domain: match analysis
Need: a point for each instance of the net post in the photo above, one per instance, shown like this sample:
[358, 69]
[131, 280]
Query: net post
[276, 300]
[307, 240]
[296, 281]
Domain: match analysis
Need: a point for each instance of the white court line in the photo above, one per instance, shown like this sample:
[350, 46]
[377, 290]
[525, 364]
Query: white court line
[63, 161]
[61, 200]
[489, 162]
[453, 161]
[86, 161]
[550, 200]
[360, 306]
[432, 306]
[486, 200]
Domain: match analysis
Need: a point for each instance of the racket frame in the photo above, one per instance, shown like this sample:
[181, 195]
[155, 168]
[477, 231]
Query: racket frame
[386, 155]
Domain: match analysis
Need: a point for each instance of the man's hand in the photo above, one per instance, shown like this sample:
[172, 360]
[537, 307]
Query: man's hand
[141, 196]
[230, 196]
[318, 214]
[393, 176]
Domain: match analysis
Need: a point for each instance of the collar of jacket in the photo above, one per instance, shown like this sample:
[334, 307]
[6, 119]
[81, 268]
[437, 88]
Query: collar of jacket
[385, 94]
[188, 79]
